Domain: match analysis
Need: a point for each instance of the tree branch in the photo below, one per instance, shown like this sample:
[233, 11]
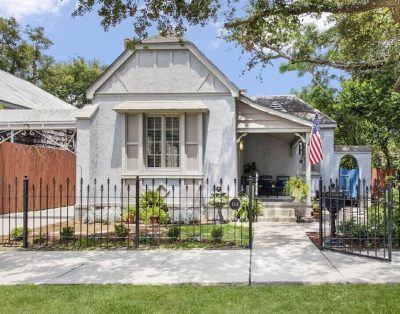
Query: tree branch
[319, 7]
[346, 66]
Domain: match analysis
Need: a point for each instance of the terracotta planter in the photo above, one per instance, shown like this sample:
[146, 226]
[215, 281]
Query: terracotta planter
[131, 218]
[154, 219]
[316, 215]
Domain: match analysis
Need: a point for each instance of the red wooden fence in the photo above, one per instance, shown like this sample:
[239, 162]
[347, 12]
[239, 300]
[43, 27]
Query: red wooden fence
[46, 170]
[379, 175]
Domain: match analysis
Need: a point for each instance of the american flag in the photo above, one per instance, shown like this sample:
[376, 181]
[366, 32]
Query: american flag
[315, 143]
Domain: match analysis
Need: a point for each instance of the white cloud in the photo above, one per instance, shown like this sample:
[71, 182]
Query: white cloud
[322, 23]
[21, 8]
[215, 43]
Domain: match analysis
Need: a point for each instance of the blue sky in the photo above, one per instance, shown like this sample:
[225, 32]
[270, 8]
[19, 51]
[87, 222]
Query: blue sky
[84, 36]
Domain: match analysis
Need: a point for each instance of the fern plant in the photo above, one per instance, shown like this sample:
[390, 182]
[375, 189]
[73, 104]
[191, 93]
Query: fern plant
[297, 188]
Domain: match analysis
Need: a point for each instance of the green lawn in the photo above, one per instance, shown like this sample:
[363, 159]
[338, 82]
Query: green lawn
[197, 299]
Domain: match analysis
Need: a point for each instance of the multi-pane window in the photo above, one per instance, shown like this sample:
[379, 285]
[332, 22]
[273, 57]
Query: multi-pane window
[162, 141]
[172, 141]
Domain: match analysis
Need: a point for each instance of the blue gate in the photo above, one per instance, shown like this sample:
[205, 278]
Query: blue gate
[348, 180]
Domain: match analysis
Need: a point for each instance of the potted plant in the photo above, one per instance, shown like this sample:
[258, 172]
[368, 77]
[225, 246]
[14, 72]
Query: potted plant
[298, 189]
[155, 215]
[129, 215]
[250, 168]
[315, 208]
[153, 207]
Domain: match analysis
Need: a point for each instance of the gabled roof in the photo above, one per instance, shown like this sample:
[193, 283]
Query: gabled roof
[159, 42]
[293, 106]
[18, 93]
[275, 110]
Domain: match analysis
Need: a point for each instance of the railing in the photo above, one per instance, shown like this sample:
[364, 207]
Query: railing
[175, 213]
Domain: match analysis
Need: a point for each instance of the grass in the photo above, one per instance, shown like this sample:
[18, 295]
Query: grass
[197, 299]
[235, 235]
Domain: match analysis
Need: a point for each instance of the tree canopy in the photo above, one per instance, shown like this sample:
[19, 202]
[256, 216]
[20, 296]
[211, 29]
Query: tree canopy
[358, 35]
[23, 52]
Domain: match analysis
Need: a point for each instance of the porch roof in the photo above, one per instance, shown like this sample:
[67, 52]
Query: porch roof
[293, 106]
[24, 119]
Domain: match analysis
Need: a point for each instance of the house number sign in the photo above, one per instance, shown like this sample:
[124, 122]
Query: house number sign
[234, 204]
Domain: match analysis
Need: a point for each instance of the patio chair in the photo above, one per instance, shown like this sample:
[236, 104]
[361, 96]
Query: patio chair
[280, 183]
[265, 184]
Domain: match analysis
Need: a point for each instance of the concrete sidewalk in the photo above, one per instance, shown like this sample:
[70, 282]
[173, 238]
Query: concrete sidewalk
[282, 254]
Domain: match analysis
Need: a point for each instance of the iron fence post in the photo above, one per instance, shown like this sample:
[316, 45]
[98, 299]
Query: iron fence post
[25, 212]
[137, 213]
[321, 237]
[390, 222]
[250, 213]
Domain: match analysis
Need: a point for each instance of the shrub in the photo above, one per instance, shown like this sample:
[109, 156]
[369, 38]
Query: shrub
[152, 198]
[243, 212]
[17, 234]
[40, 239]
[67, 232]
[297, 188]
[217, 233]
[121, 231]
[174, 232]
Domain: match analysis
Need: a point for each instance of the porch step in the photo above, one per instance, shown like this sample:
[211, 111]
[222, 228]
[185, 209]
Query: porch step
[278, 219]
[271, 205]
[279, 214]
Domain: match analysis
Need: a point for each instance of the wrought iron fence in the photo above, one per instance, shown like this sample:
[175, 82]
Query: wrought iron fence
[360, 225]
[136, 213]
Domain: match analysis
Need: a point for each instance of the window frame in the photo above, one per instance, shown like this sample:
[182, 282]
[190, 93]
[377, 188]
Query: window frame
[163, 141]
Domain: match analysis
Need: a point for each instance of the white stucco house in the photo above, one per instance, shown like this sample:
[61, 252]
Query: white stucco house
[166, 111]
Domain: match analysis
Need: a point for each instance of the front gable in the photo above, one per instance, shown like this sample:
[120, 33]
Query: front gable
[252, 118]
[162, 69]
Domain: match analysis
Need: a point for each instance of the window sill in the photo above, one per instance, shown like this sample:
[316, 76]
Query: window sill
[163, 174]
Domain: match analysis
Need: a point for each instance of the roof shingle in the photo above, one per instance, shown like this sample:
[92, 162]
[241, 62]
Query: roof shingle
[292, 105]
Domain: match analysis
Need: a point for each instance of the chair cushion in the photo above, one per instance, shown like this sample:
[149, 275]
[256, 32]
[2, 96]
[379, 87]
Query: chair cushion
[282, 182]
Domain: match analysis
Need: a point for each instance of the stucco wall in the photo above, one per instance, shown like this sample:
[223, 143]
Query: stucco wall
[329, 168]
[107, 137]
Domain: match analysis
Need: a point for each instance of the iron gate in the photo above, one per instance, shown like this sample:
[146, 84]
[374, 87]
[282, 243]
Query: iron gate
[360, 225]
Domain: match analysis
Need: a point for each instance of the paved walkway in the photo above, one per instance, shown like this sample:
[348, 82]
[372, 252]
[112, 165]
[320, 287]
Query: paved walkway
[282, 254]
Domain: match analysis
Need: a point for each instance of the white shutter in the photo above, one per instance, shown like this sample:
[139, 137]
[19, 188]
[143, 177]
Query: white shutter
[192, 130]
[132, 142]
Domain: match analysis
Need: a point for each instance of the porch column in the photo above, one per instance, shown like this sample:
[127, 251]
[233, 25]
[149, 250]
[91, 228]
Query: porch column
[308, 175]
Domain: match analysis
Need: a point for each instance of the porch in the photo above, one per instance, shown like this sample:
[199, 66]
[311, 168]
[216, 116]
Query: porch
[271, 144]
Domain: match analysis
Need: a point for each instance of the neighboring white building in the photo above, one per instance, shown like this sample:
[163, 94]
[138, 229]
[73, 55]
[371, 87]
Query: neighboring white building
[165, 111]
[30, 115]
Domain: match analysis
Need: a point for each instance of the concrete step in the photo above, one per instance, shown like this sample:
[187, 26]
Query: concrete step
[277, 219]
[279, 214]
[268, 205]
[270, 212]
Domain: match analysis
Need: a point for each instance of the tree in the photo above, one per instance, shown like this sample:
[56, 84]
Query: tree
[69, 80]
[366, 109]
[360, 35]
[22, 51]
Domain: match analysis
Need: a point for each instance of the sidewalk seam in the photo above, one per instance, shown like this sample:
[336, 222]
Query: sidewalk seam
[333, 266]
[90, 259]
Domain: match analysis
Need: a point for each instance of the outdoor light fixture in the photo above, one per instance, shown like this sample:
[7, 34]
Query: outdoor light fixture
[241, 145]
